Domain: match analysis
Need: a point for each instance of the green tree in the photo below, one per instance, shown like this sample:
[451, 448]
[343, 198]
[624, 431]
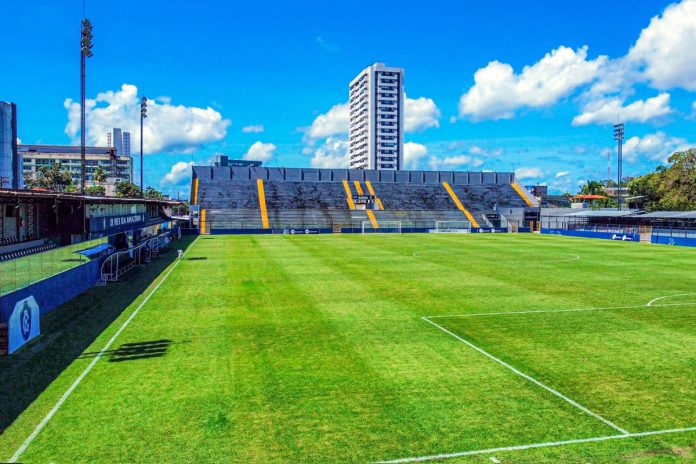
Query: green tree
[153, 194]
[96, 190]
[592, 187]
[127, 190]
[52, 177]
[99, 175]
[669, 188]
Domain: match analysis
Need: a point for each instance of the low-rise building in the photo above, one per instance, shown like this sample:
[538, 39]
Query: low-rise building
[117, 168]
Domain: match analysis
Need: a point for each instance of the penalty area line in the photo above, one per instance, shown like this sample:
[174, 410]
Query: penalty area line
[89, 367]
[573, 310]
[530, 378]
[550, 444]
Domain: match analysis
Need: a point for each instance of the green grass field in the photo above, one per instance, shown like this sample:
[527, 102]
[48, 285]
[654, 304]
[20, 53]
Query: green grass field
[21, 272]
[373, 348]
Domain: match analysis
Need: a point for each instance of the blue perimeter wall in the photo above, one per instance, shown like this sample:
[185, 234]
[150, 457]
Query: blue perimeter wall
[667, 240]
[588, 234]
[54, 291]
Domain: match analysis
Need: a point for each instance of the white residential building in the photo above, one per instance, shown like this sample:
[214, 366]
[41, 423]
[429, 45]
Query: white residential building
[126, 144]
[121, 142]
[377, 118]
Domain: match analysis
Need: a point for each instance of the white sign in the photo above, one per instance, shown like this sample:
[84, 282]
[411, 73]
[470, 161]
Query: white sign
[25, 323]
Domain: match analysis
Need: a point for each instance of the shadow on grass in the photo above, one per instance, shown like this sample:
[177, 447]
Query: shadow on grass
[69, 329]
[133, 351]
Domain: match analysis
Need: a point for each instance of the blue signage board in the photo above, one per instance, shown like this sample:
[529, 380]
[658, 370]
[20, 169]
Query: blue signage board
[25, 323]
[117, 223]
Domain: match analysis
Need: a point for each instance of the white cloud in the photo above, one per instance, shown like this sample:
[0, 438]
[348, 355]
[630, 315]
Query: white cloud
[450, 162]
[528, 173]
[327, 45]
[452, 119]
[607, 111]
[255, 129]
[562, 174]
[498, 92]
[420, 114]
[332, 154]
[333, 122]
[693, 107]
[19, 141]
[665, 50]
[656, 147]
[413, 153]
[175, 128]
[179, 174]
[260, 151]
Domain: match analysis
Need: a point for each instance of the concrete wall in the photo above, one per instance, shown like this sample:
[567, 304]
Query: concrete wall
[335, 175]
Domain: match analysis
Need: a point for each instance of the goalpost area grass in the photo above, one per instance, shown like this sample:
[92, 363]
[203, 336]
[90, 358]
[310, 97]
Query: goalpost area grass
[315, 349]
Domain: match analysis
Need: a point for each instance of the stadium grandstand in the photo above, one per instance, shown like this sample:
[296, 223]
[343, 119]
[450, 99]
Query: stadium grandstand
[246, 199]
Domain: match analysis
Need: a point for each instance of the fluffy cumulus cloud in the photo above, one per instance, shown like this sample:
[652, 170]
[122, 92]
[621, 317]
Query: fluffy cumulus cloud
[420, 114]
[607, 111]
[665, 51]
[498, 92]
[528, 173]
[456, 161]
[255, 129]
[179, 174]
[333, 122]
[168, 128]
[260, 151]
[413, 153]
[333, 153]
[656, 147]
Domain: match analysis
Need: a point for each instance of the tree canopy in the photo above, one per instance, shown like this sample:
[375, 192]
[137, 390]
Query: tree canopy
[671, 188]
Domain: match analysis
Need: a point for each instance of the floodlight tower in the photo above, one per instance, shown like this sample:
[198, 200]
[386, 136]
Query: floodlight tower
[143, 115]
[85, 52]
[619, 136]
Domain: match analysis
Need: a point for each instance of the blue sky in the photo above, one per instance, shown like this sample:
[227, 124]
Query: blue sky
[492, 85]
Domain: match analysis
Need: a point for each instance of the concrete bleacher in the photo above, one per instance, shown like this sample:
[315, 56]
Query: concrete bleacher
[317, 198]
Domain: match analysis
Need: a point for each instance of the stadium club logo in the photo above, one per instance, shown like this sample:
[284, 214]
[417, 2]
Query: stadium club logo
[25, 321]
[24, 324]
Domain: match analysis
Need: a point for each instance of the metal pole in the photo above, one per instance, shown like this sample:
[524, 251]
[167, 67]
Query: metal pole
[82, 123]
[142, 192]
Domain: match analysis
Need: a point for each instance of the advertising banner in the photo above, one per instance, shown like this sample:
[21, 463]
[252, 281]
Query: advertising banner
[25, 323]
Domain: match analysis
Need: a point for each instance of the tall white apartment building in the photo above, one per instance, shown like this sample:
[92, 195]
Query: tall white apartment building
[126, 144]
[377, 118]
[121, 142]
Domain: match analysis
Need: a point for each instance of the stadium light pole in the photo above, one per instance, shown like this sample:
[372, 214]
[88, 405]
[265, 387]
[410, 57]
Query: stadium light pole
[619, 136]
[85, 52]
[143, 115]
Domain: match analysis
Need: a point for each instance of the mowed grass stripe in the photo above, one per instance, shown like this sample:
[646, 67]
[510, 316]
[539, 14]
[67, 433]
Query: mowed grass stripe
[297, 349]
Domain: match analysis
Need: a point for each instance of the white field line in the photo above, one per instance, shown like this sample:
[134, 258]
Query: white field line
[434, 457]
[650, 303]
[528, 377]
[540, 311]
[89, 367]
[573, 256]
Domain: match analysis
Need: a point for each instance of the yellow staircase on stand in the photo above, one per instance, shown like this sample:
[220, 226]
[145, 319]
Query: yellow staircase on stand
[262, 203]
[460, 206]
[370, 214]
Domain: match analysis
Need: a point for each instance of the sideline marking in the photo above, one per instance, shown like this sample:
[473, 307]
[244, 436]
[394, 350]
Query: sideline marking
[434, 457]
[445, 253]
[530, 378]
[650, 303]
[540, 311]
[84, 373]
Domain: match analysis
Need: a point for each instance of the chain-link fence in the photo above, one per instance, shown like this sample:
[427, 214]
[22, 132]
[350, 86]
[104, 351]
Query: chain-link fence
[21, 272]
